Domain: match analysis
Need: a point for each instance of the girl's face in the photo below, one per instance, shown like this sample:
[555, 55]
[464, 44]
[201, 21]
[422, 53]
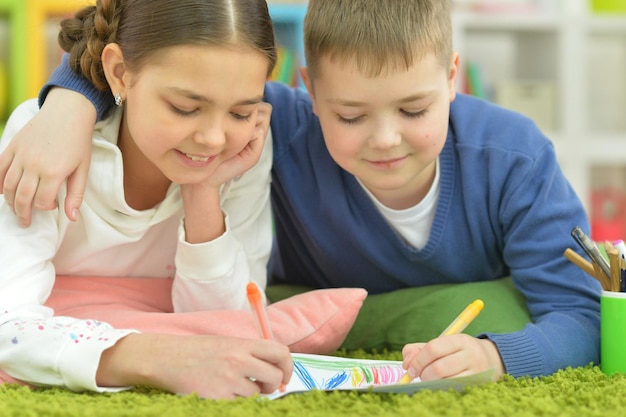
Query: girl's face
[191, 108]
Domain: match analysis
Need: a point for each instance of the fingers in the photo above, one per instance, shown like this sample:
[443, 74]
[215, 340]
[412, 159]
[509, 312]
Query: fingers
[448, 365]
[248, 388]
[23, 189]
[11, 179]
[223, 389]
[264, 113]
[255, 146]
[268, 377]
[409, 353]
[276, 361]
[18, 190]
[252, 367]
[76, 184]
[263, 118]
[44, 193]
[443, 357]
[23, 199]
[6, 158]
[24, 192]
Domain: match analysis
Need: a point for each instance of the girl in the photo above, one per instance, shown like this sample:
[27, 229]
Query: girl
[178, 188]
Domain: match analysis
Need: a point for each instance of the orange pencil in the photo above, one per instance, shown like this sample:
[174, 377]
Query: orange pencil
[256, 303]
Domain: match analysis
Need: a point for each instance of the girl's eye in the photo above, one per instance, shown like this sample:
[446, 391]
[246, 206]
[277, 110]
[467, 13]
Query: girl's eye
[243, 117]
[414, 115]
[181, 112]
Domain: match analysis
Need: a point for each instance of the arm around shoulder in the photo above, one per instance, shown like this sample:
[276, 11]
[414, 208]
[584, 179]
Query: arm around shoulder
[53, 146]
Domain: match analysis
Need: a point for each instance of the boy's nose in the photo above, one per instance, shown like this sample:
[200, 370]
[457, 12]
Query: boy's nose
[385, 138]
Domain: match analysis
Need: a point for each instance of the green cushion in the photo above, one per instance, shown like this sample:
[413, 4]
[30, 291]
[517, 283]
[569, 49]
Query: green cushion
[391, 320]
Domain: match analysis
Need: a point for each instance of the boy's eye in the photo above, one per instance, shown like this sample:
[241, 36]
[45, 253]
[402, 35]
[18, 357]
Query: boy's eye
[413, 115]
[349, 121]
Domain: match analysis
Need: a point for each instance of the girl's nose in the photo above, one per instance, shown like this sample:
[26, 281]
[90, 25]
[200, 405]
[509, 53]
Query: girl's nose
[210, 136]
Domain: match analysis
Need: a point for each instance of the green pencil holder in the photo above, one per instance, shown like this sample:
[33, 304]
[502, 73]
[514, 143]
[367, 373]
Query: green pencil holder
[613, 332]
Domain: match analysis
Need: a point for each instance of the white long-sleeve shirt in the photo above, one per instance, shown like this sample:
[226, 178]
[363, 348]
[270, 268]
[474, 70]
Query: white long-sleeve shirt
[112, 239]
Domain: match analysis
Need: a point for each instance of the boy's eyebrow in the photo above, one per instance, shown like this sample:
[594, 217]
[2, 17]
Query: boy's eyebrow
[415, 97]
[197, 97]
[353, 103]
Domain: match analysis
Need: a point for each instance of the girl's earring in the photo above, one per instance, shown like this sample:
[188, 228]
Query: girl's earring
[118, 100]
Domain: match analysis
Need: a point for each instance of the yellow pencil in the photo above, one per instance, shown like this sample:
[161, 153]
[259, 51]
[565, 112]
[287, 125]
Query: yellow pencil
[465, 318]
[457, 326]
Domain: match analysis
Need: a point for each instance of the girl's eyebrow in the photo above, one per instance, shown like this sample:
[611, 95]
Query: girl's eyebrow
[197, 97]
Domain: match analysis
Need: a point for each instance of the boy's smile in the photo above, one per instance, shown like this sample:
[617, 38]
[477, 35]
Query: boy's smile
[386, 130]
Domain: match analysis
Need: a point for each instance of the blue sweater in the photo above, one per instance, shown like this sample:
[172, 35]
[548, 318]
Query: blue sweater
[504, 208]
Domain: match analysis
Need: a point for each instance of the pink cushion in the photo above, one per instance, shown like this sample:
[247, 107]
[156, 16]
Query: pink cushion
[312, 322]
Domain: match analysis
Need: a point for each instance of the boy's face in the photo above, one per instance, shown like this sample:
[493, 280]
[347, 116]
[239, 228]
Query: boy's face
[387, 130]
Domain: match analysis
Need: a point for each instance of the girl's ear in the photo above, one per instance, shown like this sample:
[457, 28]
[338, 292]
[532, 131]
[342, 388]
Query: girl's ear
[115, 69]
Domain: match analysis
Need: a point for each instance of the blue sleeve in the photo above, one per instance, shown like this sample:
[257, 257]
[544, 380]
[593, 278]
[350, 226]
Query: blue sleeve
[563, 300]
[64, 77]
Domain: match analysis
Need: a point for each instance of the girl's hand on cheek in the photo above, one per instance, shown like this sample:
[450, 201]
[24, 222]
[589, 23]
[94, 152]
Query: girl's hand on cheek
[249, 155]
[204, 220]
[451, 356]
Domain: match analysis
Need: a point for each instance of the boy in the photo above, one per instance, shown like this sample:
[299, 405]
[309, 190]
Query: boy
[385, 178]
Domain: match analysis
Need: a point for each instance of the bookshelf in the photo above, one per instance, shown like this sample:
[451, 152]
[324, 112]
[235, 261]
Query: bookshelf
[566, 68]
[288, 19]
[42, 25]
[27, 56]
[12, 56]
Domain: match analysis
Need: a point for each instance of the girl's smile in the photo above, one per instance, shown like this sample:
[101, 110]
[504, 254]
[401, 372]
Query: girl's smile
[198, 161]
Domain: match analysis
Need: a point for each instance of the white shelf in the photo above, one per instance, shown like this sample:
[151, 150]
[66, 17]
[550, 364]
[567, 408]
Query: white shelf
[607, 24]
[582, 57]
[506, 22]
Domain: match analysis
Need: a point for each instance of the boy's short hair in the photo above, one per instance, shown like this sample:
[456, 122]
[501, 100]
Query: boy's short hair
[379, 35]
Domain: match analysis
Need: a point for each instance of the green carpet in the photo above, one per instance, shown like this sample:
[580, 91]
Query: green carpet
[571, 392]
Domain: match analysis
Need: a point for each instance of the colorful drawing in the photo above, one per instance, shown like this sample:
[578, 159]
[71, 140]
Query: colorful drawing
[324, 372]
[319, 372]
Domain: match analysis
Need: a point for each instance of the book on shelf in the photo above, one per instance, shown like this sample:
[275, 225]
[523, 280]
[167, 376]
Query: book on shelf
[474, 82]
[285, 70]
[608, 202]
